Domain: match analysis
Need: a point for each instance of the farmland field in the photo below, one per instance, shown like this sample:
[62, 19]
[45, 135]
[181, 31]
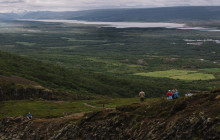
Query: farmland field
[179, 74]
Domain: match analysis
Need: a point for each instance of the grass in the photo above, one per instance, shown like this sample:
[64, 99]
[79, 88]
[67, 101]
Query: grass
[45, 109]
[115, 66]
[195, 76]
[211, 70]
[112, 103]
[42, 109]
[179, 74]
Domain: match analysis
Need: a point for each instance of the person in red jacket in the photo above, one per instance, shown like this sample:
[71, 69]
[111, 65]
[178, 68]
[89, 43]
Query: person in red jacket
[169, 95]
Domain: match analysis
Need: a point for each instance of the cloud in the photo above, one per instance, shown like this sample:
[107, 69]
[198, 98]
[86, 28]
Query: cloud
[11, 1]
[73, 5]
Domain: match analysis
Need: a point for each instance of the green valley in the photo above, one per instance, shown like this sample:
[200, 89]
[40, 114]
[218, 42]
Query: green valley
[145, 73]
[107, 54]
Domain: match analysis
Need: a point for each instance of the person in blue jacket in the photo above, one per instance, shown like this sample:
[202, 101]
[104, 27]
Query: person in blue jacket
[175, 95]
[29, 116]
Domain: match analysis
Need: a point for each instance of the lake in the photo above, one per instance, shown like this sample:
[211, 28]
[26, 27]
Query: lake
[132, 24]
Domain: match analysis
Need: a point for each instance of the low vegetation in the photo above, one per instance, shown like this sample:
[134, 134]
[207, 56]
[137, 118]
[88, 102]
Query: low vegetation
[151, 107]
[44, 109]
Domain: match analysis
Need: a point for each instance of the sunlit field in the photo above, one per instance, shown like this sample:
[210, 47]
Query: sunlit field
[179, 74]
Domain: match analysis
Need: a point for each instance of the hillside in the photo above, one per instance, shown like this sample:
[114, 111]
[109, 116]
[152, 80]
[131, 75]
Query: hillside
[20, 77]
[18, 73]
[195, 117]
[164, 14]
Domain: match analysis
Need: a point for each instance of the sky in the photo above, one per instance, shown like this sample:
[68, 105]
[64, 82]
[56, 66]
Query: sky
[19, 6]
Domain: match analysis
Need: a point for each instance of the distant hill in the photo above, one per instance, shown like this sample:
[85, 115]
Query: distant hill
[8, 16]
[141, 14]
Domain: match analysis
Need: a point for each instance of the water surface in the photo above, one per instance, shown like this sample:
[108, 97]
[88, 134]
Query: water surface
[132, 24]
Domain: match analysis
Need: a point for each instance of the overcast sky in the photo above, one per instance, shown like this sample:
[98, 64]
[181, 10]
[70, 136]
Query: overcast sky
[73, 5]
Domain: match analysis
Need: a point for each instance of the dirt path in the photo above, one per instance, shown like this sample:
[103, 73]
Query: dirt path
[74, 116]
[90, 105]
[96, 106]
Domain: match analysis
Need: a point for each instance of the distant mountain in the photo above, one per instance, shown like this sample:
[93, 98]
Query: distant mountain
[8, 16]
[49, 15]
[141, 14]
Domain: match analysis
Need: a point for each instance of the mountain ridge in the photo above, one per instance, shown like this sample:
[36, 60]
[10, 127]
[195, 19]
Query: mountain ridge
[158, 14]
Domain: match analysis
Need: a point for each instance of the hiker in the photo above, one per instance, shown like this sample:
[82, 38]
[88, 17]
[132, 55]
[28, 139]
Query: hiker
[173, 92]
[175, 96]
[142, 95]
[29, 116]
[169, 95]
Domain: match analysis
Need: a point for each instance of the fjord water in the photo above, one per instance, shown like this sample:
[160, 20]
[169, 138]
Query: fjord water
[133, 24]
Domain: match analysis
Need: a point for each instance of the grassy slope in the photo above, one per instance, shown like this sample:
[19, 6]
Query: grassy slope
[208, 103]
[44, 109]
[77, 82]
[194, 116]
[59, 78]
[41, 108]
[151, 107]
